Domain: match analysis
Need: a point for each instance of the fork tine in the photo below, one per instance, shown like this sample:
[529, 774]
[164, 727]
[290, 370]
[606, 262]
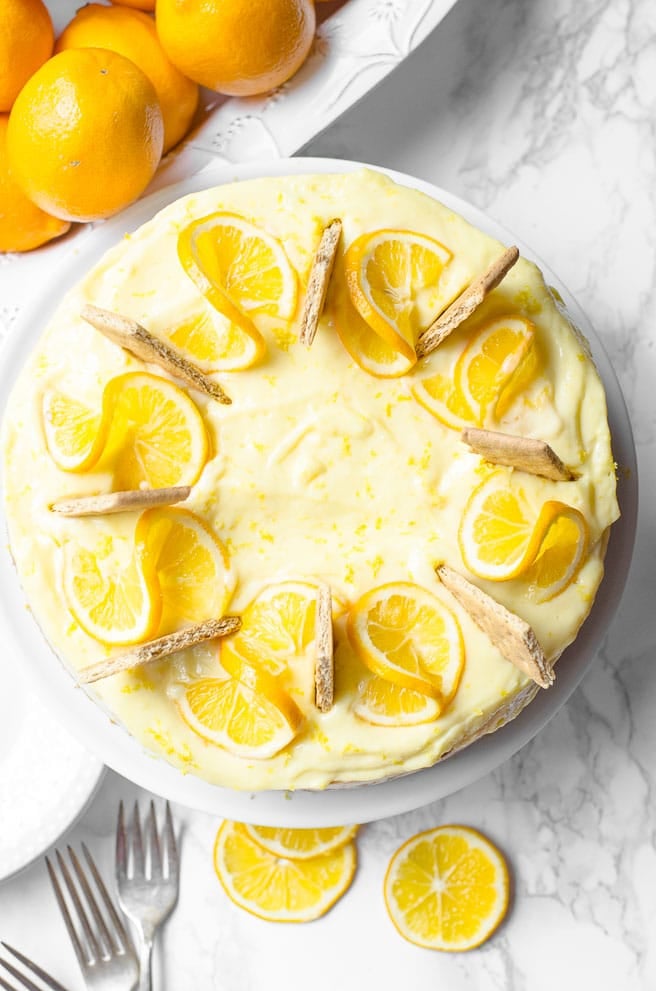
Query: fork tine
[82, 956]
[22, 978]
[46, 978]
[92, 943]
[122, 940]
[121, 847]
[104, 934]
[138, 867]
[153, 852]
[170, 846]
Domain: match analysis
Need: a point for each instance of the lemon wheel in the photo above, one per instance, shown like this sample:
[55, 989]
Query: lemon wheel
[447, 889]
[277, 888]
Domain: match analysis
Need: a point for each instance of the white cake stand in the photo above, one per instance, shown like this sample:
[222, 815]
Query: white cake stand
[112, 744]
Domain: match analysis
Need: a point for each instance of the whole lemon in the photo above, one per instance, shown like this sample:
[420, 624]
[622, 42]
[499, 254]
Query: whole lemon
[23, 225]
[139, 4]
[239, 47]
[85, 134]
[132, 33]
[26, 40]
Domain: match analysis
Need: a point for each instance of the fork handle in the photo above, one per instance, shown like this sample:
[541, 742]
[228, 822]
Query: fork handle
[145, 962]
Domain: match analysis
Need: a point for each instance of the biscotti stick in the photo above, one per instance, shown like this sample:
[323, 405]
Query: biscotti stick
[324, 665]
[146, 653]
[465, 304]
[523, 453]
[140, 342]
[121, 502]
[322, 267]
[513, 637]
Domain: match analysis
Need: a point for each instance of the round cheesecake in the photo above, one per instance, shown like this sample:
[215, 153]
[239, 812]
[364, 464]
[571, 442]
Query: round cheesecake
[340, 464]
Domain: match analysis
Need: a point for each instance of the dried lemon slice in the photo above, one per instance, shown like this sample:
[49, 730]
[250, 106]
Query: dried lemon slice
[395, 281]
[276, 888]
[405, 635]
[300, 844]
[447, 889]
[242, 271]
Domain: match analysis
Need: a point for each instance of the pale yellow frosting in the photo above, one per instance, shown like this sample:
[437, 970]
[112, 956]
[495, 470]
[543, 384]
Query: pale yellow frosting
[320, 471]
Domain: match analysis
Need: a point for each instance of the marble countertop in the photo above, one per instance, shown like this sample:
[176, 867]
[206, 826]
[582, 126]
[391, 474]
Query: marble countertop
[542, 113]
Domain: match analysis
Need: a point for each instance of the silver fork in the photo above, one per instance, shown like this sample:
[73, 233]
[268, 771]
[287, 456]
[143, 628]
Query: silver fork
[101, 943]
[147, 876]
[24, 980]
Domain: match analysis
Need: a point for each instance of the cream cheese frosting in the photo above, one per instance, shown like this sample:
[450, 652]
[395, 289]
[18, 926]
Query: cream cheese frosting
[319, 472]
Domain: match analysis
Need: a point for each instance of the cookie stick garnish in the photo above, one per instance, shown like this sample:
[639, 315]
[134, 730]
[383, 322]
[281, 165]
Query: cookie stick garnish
[140, 342]
[322, 267]
[465, 304]
[120, 502]
[512, 636]
[146, 653]
[523, 453]
[324, 665]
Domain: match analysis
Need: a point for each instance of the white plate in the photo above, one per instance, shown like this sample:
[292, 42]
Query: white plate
[360, 803]
[47, 777]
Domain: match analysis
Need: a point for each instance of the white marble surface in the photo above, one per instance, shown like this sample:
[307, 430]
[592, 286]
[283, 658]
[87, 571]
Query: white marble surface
[541, 112]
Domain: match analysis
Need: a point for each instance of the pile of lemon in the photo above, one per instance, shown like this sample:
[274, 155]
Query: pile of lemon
[85, 121]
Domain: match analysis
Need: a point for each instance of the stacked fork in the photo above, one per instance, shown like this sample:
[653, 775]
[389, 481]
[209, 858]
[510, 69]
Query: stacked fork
[25, 980]
[147, 875]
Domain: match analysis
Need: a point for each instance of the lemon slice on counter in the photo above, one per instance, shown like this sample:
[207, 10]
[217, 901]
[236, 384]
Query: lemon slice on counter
[300, 844]
[405, 635]
[447, 889]
[395, 281]
[278, 888]
[243, 272]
